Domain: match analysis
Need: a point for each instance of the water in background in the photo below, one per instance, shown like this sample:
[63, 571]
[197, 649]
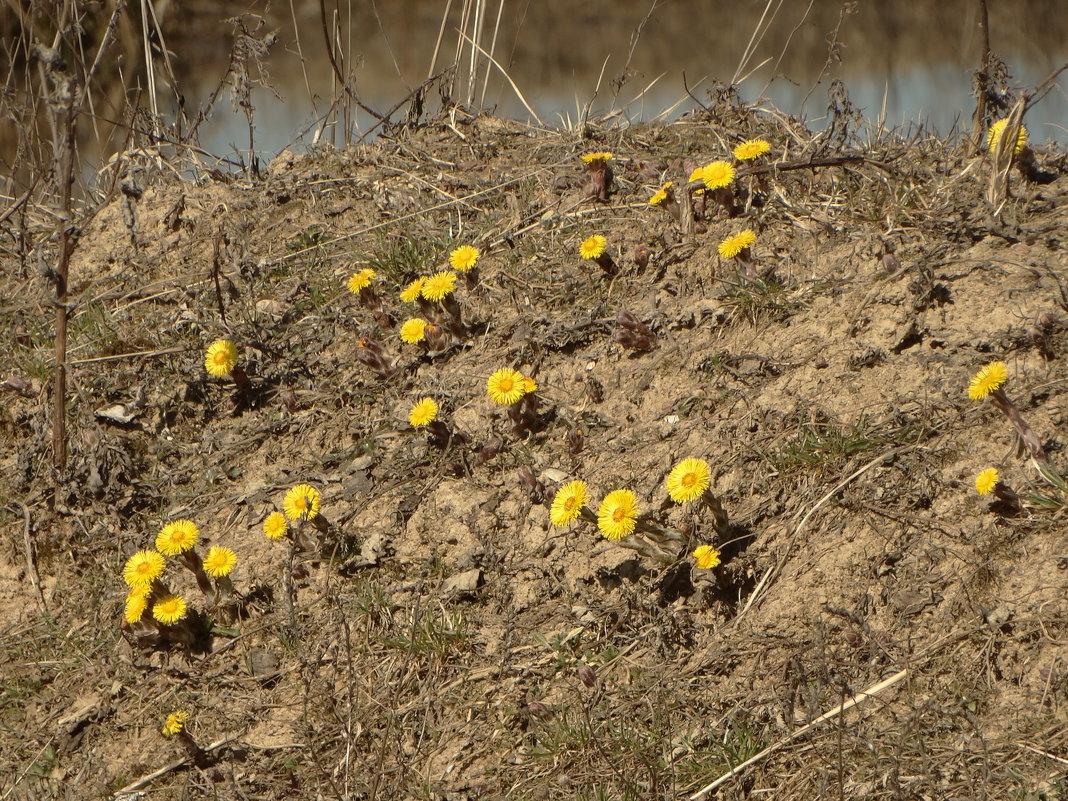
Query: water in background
[632, 56]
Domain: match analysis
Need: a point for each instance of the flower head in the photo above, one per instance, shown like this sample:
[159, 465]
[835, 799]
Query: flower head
[601, 155]
[506, 386]
[221, 358]
[143, 568]
[136, 603]
[989, 378]
[751, 149]
[219, 561]
[177, 537]
[688, 480]
[360, 280]
[717, 174]
[423, 413]
[275, 526]
[169, 609]
[618, 514]
[463, 258]
[529, 385]
[593, 247]
[413, 330]
[301, 502]
[697, 175]
[986, 481]
[439, 285]
[997, 130]
[568, 502]
[661, 194]
[734, 245]
[706, 557]
[175, 723]
[412, 292]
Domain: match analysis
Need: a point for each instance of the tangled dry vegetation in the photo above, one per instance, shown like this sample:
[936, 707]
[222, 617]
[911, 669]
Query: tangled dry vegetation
[439, 638]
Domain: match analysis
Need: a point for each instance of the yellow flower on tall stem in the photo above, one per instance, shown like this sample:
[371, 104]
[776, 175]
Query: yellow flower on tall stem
[169, 609]
[688, 480]
[717, 174]
[997, 130]
[463, 258]
[136, 604]
[618, 514]
[221, 357]
[423, 413]
[413, 331]
[175, 723]
[302, 502]
[219, 561]
[568, 502]
[593, 247]
[706, 557]
[411, 293]
[177, 537]
[986, 481]
[275, 526]
[989, 378]
[143, 568]
[751, 149]
[506, 386]
[439, 285]
[737, 245]
[360, 280]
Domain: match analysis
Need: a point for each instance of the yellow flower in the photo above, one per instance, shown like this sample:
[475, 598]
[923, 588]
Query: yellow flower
[661, 194]
[568, 503]
[997, 130]
[177, 537]
[706, 557]
[618, 514]
[175, 723]
[423, 413]
[361, 280]
[750, 149]
[593, 247]
[301, 502]
[275, 526]
[413, 330]
[463, 258]
[688, 480]
[601, 155]
[136, 603]
[169, 609]
[986, 481]
[143, 568]
[221, 357]
[411, 292]
[733, 245]
[219, 561]
[697, 175]
[717, 174]
[988, 379]
[506, 386]
[439, 285]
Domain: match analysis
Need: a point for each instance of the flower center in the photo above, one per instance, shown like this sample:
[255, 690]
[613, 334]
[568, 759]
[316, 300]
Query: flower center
[619, 514]
[507, 385]
[570, 503]
[689, 480]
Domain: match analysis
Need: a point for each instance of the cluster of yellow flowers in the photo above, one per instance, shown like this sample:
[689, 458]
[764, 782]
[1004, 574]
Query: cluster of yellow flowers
[619, 515]
[300, 504]
[144, 570]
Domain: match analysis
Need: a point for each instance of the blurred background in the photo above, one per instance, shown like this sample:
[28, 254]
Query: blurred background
[212, 63]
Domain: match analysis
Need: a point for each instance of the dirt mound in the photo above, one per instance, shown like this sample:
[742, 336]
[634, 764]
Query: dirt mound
[440, 638]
